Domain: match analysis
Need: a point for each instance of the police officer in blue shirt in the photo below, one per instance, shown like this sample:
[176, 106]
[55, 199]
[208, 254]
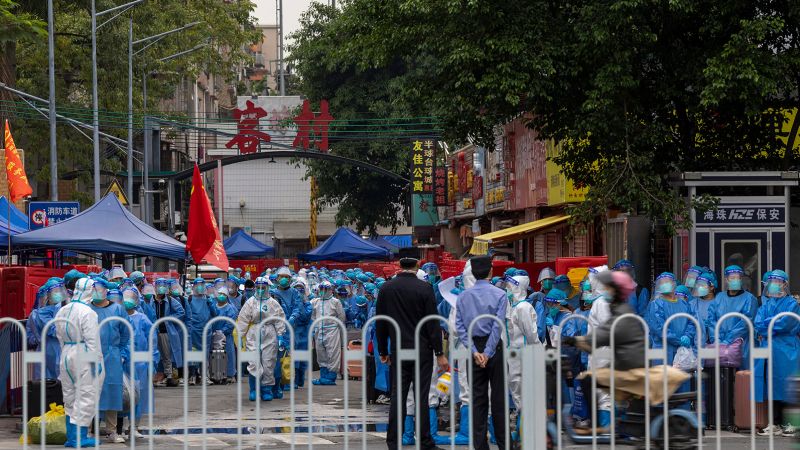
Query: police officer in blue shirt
[488, 362]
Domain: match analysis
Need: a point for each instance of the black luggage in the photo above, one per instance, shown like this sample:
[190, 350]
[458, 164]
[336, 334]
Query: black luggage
[372, 393]
[218, 367]
[52, 392]
[727, 375]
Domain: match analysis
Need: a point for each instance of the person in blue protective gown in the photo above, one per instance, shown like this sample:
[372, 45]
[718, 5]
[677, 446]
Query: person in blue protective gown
[170, 334]
[700, 300]
[142, 370]
[199, 310]
[732, 299]
[79, 336]
[223, 308]
[48, 302]
[546, 279]
[300, 322]
[680, 332]
[115, 341]
[640, 297]
[289, 299]
[234, 294]
[563, 284]
[785, 354]
[579, 360]
[147, 302]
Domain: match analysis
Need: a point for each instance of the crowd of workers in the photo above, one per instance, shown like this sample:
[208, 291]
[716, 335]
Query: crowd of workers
[253, 312]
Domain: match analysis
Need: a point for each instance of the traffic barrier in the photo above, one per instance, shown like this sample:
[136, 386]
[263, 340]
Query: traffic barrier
[537, 429]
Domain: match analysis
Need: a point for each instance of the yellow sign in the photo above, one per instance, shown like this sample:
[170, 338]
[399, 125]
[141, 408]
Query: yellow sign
[559, 189]
[116, 189]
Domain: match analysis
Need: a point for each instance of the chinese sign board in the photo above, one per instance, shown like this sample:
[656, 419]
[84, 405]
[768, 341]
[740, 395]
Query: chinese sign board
[560, 189]
[45, 214]
[738, 215]
[423, 164]
[265, 120]
[440, 193]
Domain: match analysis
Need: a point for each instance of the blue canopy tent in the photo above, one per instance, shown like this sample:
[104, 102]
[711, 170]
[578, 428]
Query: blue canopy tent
[242, 245]
[106, 227]
[383, 243]
[19, 221]
[347, 246]
[399, 240]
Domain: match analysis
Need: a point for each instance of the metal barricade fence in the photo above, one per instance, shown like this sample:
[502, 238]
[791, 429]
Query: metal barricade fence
[536, 427]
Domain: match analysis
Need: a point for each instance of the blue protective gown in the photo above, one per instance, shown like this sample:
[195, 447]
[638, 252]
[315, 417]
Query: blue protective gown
[576, 327]
[350, 310]
[301, 321]
[785, 347]
[657, 314]
[230, 311]
[52, 352]
[382, 374]
[537, 300]
[290, 301]
[734, 327]
[115, 340]
[699, 309]
[236, 301]
[640, 303]
[141, 332]
[147, 308]
[199, 310]
[174, 309]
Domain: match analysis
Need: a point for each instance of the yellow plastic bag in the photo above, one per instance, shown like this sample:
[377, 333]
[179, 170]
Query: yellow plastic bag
[286, 369]
[55, 427]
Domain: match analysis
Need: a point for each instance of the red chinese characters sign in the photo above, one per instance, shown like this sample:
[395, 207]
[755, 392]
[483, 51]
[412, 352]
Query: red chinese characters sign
[309, 124]
[312, 129]
[248, 136]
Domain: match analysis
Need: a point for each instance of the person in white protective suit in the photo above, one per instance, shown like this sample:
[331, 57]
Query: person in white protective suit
[263, 339]
[80, 379]
[521, 319]
[327, 334]
[601, 357]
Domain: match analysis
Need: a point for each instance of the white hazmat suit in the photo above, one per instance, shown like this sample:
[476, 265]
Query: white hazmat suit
[598, 315]
[327, 334]
[80, 340]
[253, 312]
[522, 330]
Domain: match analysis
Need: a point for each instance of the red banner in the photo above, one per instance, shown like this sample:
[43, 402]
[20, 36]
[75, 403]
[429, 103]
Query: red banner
[18, 186]
[203, 239]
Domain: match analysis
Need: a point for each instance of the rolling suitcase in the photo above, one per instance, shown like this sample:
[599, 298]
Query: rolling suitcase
[354, 367]
[372, 393]
[52, 394]
[219, 365]
[741, 404]
[727, 377]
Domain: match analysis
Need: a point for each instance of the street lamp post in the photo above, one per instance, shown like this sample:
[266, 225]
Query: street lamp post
[95, 112]
[51, 71]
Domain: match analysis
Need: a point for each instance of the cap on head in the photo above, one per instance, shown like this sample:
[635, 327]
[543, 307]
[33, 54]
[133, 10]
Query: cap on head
[408, 263]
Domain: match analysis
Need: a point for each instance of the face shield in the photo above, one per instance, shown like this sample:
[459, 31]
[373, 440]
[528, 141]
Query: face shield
[702, 287]
[116, 274]
[690, 278]
[325, 290]
[261, 288]
[518, 287]
[232, 286]
[199, 289]
[777, 285]
[665, 284]
[114, 296]
[222, 295]
[148, 291]
[99, 293]
[56, 293]
[162, 286]
[130, 299]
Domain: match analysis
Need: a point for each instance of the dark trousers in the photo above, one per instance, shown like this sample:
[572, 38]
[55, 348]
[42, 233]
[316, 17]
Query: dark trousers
[482, 378]
[423, 379]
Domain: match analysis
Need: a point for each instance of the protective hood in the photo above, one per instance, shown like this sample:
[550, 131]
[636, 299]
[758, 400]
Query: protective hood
[468, 279]
[546, 273]
[83, 291]
[421, 275]
[594, 282]
[519, 286]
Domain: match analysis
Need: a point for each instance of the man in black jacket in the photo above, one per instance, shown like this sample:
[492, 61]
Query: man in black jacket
[408, 300]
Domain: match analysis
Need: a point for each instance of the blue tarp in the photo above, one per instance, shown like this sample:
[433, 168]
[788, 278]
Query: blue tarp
[242, 245]
[106, 227]
[345, 245]
[400, 240]
[19, 221]
[383, 243]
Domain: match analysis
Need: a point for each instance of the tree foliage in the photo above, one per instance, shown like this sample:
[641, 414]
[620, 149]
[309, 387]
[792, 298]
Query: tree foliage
[635, 90]
[225, 27]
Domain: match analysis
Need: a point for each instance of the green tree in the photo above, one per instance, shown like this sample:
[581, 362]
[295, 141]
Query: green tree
[634, 89]
[224, 27]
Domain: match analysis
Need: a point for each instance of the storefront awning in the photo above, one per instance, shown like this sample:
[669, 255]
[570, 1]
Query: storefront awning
[481, 244]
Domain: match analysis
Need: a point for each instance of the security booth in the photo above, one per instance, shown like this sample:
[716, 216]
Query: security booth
[750, 226]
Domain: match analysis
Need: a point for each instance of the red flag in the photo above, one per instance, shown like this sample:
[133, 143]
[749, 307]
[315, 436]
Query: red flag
[203, 240]
[18, 186]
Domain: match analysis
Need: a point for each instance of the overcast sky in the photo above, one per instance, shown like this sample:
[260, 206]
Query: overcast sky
[266, 14]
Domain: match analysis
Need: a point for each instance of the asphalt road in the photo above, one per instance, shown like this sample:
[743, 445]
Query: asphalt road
[323, 424]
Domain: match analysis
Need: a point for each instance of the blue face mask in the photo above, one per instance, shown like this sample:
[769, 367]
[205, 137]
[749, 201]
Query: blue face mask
[735, 284]
[284, 282]
[56, 297]
[129, 304]
[774, 289]
[702, 291]
[666, 288]
[553, 312]
[162, 290]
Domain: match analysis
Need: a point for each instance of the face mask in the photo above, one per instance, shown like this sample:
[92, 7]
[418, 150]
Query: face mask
[148, 297]
[690, 281]
[547, 285]
[702, 291]
[283, 283]
[588, 301]
[200, 289]
[586, 285]
[735, 285]
[56, 297]
[129, 304]
[774, 289]
[162, 290]
[260, 292]
[665, 288]
[586, 295]
[510, 296]
[176, 292]
[327, 295]
[222, 298]
[553, 312]
[97, 297]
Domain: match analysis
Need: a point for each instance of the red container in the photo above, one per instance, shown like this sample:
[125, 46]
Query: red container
[19, 286]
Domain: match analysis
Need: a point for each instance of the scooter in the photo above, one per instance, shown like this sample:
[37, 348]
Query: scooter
[630, 428]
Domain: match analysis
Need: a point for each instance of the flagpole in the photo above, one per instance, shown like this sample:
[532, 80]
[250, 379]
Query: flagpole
[8, 217]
